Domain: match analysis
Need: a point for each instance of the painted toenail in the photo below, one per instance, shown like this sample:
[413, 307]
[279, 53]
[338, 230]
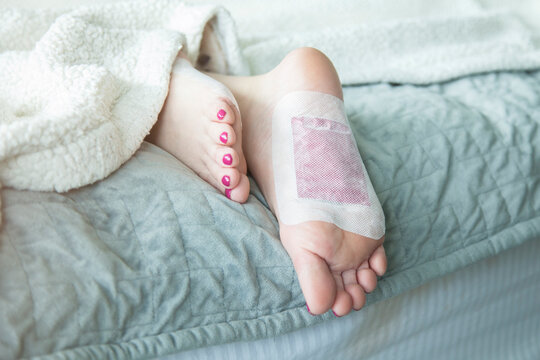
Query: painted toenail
[226, 180]
[221, 114]
[309, 311]
[224, 137]
[335, 314]
[228, 193]
[227, 159]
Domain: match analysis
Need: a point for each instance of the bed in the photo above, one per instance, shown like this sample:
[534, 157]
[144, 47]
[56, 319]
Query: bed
[152, 262]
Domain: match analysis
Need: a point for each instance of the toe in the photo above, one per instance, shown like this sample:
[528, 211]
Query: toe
[354, 289]
[226, 156]
[240, 192]
[222, 134]
[316, 281]
[222, 112]
[366, 278]
[344, 302]
[230, 182]
[229, 178]
[377, 261]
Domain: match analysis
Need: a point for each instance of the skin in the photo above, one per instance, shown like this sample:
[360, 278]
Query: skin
[335, 268]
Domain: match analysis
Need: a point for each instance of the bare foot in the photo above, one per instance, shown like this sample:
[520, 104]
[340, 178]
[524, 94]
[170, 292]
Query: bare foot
[335, 268]
[201, 126]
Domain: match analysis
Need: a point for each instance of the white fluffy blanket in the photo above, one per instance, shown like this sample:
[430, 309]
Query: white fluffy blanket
[80, 89]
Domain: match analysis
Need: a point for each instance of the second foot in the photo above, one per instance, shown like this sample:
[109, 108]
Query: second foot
[201, 126]
[335, 268]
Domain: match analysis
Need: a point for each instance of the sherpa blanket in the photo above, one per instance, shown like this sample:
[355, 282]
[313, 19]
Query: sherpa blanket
[81, 88]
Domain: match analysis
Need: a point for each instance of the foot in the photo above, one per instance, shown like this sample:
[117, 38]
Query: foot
[200, 125]
[335, 268]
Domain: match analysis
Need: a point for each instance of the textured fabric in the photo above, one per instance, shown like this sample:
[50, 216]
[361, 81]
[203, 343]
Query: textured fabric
[80, 89]
[488, 310]
[153, 260]
[413, 41]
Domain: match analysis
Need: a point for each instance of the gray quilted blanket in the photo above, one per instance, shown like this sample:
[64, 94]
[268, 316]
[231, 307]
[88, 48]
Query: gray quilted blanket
[153, 260]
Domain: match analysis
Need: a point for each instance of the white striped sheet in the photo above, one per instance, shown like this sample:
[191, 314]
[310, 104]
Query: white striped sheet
[488, 310]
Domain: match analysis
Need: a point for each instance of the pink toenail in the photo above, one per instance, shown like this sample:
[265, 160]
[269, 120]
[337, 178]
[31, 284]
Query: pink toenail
[228, 193]
[221, 114]
[309, 311]
[227, 159]
[224, 137]
[335, 314]
[226, 180]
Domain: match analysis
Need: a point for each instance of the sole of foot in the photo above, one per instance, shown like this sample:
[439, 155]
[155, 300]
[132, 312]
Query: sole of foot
[335, 268]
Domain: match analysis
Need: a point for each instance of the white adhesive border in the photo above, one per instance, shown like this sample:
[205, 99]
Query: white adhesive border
[360, 219]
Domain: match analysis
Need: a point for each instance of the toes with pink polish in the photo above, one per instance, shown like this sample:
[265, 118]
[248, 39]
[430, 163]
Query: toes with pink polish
[226, 180]
[224, 137]
[227, 159]
[221, 114]
[228, 193]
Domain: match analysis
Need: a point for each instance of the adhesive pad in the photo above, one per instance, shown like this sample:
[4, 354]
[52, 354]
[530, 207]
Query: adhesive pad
[318, 171]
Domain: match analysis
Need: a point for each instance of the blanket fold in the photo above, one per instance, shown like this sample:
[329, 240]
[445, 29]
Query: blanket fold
[415, 51]
[80, 89]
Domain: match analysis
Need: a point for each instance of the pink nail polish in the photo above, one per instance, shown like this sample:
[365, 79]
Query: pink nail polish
[335, 314]
[226, 180]
[224, 137]
[228, 193]
[221, 114]
[308, 310]
[227, 159]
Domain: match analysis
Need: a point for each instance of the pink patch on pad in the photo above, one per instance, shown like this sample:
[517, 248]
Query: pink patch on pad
[327, 163]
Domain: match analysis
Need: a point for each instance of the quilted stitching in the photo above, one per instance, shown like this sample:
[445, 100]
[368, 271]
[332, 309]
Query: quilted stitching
[154, 259]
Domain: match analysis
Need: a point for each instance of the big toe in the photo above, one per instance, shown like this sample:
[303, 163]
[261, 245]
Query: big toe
[240, 192]
[316, 281]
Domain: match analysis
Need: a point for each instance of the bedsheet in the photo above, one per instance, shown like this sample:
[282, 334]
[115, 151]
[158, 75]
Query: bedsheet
[153, 260]
[468, 314]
